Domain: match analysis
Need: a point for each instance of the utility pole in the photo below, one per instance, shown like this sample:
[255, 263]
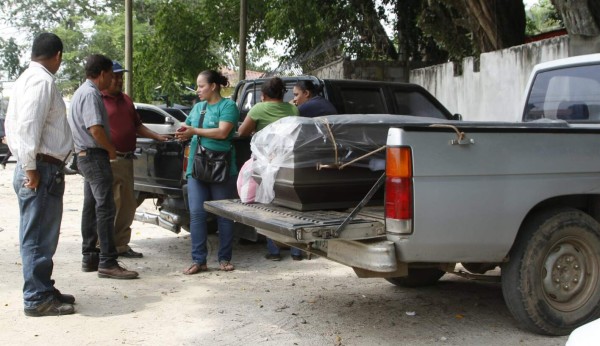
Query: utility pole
[243, 34]
[129, 47]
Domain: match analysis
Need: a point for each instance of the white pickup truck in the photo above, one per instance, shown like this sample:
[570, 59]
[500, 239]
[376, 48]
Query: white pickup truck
[522, 196]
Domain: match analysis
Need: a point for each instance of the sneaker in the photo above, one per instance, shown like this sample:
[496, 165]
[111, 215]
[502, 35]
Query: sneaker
[117, 272]
[52, 307]
[297, 257]
[273, 257]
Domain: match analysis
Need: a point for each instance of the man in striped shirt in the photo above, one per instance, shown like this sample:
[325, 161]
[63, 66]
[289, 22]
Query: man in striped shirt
[40, 138]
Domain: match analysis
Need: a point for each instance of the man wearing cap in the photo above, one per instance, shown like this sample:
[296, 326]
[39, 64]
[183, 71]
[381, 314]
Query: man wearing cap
[125, 124]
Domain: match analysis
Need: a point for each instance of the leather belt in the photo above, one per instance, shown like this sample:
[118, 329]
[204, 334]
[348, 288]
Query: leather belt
[91, 151]
[127, 155]
[48, 159]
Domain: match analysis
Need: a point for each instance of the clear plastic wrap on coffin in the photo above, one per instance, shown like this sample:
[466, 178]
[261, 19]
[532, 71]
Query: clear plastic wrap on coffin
[298, 160]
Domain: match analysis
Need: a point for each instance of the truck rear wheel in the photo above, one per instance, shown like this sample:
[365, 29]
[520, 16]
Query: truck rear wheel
[418, 277]
[551, 283]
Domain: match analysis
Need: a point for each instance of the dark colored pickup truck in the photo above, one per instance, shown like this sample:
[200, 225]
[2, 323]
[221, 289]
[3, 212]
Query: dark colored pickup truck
[159, 172]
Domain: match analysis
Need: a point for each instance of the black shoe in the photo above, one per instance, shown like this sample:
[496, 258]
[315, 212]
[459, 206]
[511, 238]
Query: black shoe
[64, 298]
[131, 254]
[90, 262]
[273, 257]
[297, 257]
[117, 272]
[52, 307]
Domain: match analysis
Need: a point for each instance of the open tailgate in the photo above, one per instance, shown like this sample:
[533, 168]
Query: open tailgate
[302, 225]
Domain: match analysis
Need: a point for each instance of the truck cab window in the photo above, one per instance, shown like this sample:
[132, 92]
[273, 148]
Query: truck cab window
[571, 94]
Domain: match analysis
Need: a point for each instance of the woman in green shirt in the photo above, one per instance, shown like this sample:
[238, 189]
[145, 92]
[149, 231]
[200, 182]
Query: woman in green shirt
[215, 133]
[271, 109]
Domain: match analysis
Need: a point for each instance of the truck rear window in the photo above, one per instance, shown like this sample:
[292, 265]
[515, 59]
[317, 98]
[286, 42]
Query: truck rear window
[363, 101]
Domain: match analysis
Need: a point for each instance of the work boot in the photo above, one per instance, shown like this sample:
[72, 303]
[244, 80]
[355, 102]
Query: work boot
[117, 272]
[51, 307]
[63, 298]
[90, 262]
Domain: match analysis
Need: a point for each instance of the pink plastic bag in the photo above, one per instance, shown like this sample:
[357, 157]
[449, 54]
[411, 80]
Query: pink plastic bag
[246, 185]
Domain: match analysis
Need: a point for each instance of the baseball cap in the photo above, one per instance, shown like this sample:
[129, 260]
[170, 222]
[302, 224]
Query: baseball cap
[118, 67]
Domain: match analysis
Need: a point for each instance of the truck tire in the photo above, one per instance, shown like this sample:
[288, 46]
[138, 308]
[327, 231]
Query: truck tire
[551, 282]
[418, 277]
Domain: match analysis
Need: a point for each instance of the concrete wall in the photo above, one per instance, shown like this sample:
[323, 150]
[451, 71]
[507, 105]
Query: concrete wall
[390, 71]
[496, 91]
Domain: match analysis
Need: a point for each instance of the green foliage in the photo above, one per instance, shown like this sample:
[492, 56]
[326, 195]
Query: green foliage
[38, 16]
[10, 52]
[173, 54]
[176, 39]
[446, 25]
[542, 17]
[71, 73]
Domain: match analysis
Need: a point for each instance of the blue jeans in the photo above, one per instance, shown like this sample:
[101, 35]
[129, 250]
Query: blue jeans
[274, 249]
[198, 193]
[39, 226]
[98, 215]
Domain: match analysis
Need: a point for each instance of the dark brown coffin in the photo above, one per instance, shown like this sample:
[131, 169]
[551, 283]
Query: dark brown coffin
[301, 152]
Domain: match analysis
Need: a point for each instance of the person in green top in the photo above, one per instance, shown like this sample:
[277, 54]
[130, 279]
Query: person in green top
[271, 109]
[215, 133]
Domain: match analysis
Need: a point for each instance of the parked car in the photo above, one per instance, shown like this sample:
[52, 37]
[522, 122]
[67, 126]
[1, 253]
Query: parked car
[162, 120]
[179, 112]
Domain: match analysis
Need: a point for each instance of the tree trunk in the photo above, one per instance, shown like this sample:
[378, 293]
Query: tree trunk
[496, 24]
[373, 30]
[581, 17]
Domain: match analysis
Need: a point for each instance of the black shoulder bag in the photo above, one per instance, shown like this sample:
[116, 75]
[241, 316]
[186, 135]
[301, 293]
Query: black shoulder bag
[210, 166]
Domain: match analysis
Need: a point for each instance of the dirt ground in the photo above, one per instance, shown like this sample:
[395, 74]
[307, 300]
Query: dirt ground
[314, 302]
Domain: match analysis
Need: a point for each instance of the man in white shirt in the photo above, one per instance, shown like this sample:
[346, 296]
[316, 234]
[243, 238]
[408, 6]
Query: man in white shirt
[40, 138]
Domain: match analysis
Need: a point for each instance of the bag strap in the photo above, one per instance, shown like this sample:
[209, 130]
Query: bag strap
[201, 121]
[202, 113]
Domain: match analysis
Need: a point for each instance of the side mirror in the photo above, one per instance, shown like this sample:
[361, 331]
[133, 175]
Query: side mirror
[169, 121]
[456, 116]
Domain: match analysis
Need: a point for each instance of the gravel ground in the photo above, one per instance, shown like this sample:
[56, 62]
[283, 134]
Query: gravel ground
[312, 302]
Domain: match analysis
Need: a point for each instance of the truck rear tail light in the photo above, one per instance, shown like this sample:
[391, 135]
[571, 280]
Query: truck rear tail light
[399, 190]
[186, 155]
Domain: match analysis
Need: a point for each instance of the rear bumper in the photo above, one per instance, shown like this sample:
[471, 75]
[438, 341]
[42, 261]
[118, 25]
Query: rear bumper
[164, 219]
[373, 255]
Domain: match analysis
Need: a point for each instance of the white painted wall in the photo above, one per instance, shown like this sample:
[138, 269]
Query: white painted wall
[496, 92]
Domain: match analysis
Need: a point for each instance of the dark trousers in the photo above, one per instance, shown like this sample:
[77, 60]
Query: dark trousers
[98, 215]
